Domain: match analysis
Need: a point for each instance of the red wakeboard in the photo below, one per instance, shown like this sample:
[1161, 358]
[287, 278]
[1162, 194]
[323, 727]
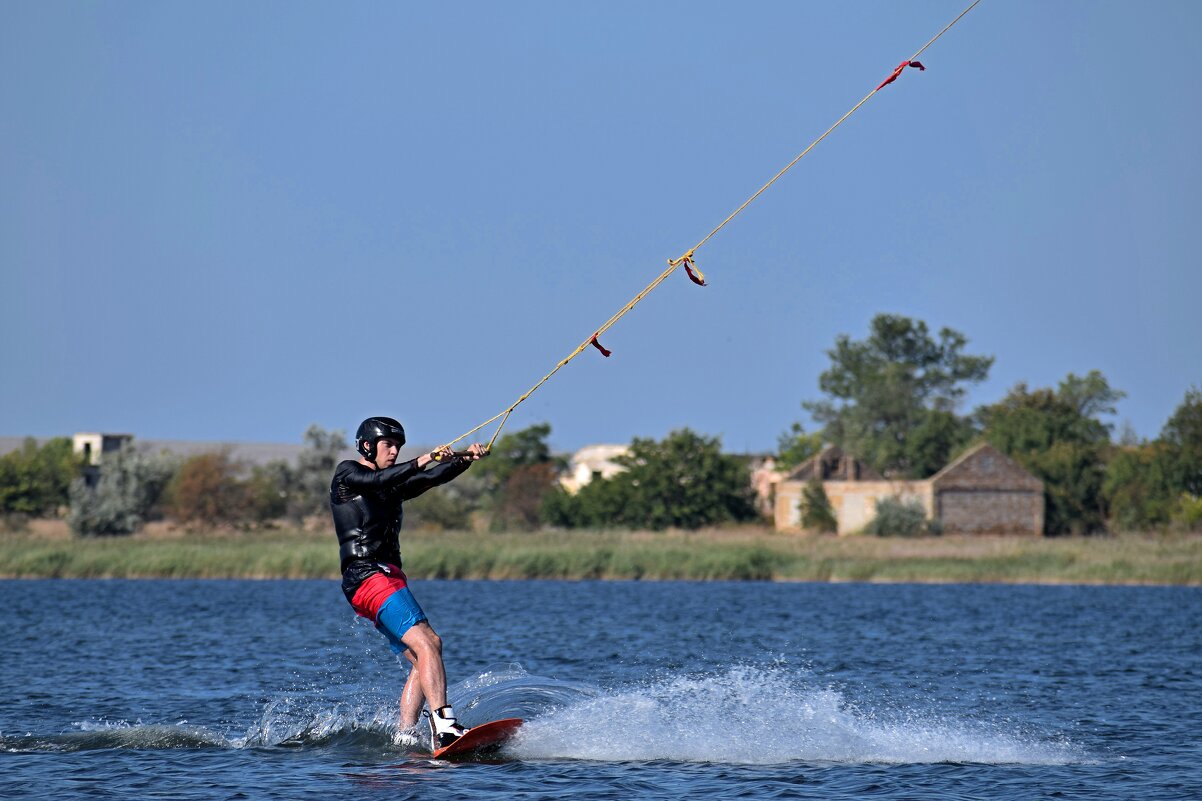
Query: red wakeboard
[480, 739]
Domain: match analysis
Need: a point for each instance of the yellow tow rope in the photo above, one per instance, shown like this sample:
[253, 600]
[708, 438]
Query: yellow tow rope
[687, 260]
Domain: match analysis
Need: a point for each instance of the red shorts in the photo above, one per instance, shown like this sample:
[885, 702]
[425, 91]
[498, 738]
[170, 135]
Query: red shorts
[372, 593]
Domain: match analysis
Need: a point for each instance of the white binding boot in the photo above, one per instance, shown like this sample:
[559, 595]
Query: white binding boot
[444, 729]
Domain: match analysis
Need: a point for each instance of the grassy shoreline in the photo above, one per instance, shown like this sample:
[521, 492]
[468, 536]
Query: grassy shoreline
[740, 554]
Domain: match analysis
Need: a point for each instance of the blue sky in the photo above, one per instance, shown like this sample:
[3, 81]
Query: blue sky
[226, 221]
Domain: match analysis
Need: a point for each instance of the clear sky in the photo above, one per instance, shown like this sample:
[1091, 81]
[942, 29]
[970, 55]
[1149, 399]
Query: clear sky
[226, 221]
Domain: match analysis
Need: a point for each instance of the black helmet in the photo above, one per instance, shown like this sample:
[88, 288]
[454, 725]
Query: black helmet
[374, 429]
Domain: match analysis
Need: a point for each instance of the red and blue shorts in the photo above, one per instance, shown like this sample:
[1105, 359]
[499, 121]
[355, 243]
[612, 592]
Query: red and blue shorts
[384, 598]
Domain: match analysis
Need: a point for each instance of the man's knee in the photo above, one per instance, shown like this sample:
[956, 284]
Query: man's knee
[423, 641]
[435, 643]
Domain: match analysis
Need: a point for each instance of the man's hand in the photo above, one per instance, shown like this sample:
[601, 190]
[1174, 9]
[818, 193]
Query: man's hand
[472, 454]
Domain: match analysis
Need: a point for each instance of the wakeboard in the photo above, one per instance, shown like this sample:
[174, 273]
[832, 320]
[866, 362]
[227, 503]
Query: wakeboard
[480, 739]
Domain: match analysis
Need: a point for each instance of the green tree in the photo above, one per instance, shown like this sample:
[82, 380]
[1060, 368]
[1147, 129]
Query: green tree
[126, 495]
[508, 488]
[602, 503]
[892, 397]
[1138, 487]
[685, 481]
[444, 508]
[307, 490]
[1166, 486]
[522, 448]
[1056, 434]
[1182, 437]
[795, 446]
[266, 491]
[35, 480]
[816, 511]
[1187, 514]
[518, 474]
[519, 505]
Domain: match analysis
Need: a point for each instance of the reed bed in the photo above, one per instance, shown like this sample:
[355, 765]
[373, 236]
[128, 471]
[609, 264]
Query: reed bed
[720, 554]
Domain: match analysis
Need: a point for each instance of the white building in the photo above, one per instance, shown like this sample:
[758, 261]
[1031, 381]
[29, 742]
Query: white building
[590, 462]
[92, 446]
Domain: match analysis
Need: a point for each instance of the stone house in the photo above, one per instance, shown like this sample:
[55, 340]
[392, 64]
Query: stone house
[980, 492]
[986, 492]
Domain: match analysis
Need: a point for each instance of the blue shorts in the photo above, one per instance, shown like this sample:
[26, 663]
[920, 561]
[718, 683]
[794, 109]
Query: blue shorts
[397, 615]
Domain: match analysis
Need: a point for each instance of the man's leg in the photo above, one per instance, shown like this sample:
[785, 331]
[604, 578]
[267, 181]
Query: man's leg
[425, 651]
[396, 619]
[426, 647]
[403, 622]
[413, 697]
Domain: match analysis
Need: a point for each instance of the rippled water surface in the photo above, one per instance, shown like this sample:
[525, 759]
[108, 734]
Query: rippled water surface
[274, 690]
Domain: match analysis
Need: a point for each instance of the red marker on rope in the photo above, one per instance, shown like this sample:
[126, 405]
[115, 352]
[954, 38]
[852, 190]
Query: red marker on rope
[695, 275]
[898, 71]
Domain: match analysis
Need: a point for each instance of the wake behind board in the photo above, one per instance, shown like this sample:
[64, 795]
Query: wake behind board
[480, 739]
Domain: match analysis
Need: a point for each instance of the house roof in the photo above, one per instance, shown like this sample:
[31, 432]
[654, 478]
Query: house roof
[984, 467]
[832, 464]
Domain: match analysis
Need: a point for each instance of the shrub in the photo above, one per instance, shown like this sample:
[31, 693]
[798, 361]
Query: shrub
[816, 511]
[1188, 514]
[125, 496]
[206, 490]
[441, 509]
[898, 518]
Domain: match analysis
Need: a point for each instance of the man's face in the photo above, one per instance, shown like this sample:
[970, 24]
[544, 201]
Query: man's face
[386, 452]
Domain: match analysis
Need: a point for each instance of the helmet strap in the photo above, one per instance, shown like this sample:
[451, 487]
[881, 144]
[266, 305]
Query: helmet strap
[369, 453]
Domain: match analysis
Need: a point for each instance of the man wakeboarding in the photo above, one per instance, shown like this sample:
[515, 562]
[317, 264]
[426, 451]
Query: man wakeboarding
[365, 499]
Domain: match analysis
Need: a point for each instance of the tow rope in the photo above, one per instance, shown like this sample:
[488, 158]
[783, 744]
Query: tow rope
[687, 260]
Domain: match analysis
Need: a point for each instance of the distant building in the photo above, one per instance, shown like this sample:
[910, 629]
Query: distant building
[592, 462]
[986, 492]
[92, 447]
[764, 478]
[981, 492]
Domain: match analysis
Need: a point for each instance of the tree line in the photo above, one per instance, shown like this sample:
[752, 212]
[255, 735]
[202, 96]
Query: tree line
[891, 399]
[684, 481]
[135, 486]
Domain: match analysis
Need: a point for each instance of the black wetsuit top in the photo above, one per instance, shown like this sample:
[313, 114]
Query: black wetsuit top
[367, 512]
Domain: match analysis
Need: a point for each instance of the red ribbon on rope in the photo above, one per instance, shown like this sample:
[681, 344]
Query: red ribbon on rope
[696, 277]
[600, 347]
[898, 71]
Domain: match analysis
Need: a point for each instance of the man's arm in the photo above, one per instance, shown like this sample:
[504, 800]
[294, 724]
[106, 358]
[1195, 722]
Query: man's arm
[360, 478]
[432, 477]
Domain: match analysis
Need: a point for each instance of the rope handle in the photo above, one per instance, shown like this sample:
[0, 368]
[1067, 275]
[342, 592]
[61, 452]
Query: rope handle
[444, 453]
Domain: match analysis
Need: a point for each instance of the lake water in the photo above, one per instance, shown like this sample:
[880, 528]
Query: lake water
[274, 690]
